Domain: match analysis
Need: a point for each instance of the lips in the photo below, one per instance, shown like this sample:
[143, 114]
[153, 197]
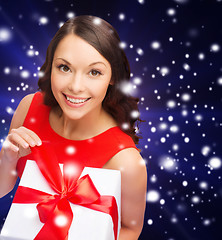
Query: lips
[75, 100]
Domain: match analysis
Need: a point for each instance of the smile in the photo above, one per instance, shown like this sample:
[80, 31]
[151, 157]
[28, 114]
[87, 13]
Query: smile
[76, 100]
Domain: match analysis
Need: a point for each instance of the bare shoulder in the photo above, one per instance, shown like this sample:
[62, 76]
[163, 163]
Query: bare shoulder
[21, 111]
[133, 190]
[131, 164]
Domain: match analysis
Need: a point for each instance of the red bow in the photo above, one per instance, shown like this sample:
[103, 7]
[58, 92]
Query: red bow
[54, 210]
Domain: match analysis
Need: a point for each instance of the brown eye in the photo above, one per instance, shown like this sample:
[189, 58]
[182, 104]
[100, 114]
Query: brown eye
[95, 73]
[64, 68]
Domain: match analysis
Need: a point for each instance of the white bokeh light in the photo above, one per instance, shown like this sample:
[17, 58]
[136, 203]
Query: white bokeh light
[125, 126]
[24, 74]
[135, 114]
[174, 219]
[150, 221]
[171, 103]
[167, 163]
[61, 220]
[70, 15]
[186, 67]
[41, 74]
[153, 129]
[122, 16]
[215, 162]
[201, 56]
[184, 113]
[185, 97]
[43, 20]
[195, 199]
[60, 24]
[155, 45]
[153, 196]
[140, 51]
[198, 117]
[126, 87]
[30, 53]
[9, 110]
[203, 185]
[123, 45]
[181, 1]
[137, 80]
[205, 150]
[153, 178]
[175, 147]
[219, 81]
[174, 129]
[163, 126]
[164, 71]
[185, 183]
[141, 1]
[7, 70]
[70, 150]
[71, 170]
[171, 12]
[170, 118]
[5, 35]
[97, 21]
[215, 47]
[162, 139]
[206, 222]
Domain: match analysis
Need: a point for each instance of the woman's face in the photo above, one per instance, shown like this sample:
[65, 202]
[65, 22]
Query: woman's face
[80, 77]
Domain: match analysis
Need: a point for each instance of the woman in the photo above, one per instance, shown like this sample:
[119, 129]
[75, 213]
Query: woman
[81, 105]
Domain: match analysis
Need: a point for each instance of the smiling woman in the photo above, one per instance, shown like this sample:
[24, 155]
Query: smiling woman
[81, 107]
[100, 35]
[86, 75]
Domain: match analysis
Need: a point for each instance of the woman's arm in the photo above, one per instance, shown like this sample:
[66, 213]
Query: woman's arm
[15, 146]
[133, 191]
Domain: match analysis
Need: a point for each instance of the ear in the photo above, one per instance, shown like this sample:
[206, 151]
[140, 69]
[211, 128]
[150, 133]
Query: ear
[111, 82]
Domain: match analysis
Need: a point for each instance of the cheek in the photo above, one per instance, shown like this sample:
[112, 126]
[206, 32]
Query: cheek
[56, 82]
[53, 79]
[101, 91]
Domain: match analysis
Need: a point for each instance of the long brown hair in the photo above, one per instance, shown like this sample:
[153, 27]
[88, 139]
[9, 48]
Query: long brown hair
[105, 39]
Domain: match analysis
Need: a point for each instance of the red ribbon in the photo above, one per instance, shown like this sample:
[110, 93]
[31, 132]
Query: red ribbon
[53, 208]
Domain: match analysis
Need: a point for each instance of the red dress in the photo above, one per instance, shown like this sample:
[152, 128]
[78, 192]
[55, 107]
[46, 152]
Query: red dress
[92, 152]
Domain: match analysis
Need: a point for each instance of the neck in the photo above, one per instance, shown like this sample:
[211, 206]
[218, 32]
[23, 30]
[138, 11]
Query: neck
[83, 128]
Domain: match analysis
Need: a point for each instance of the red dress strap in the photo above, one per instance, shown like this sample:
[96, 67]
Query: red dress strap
[34, 119]
[37, 113]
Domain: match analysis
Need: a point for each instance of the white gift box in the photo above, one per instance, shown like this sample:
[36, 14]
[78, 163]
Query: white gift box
[23, 221]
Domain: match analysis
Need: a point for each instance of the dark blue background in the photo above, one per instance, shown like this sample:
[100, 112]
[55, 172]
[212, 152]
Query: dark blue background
[195, 27]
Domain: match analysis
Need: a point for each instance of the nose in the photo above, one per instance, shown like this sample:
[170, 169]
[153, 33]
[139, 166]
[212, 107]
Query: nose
[76, 83]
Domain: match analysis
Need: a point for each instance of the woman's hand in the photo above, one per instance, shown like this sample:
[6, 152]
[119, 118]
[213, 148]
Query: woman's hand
[18, 143]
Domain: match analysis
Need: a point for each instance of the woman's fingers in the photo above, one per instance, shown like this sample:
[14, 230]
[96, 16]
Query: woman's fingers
[18, 143]
[19, 139]
[24, 137]
[33, 135]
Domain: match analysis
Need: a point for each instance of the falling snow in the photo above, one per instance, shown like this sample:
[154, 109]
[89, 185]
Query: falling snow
[5, 35]
[175, 59]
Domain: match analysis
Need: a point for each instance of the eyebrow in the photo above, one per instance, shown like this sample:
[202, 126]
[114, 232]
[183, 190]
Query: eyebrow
[94, 63]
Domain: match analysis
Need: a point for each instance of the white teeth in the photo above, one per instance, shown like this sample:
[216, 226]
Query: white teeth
[72, 100]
